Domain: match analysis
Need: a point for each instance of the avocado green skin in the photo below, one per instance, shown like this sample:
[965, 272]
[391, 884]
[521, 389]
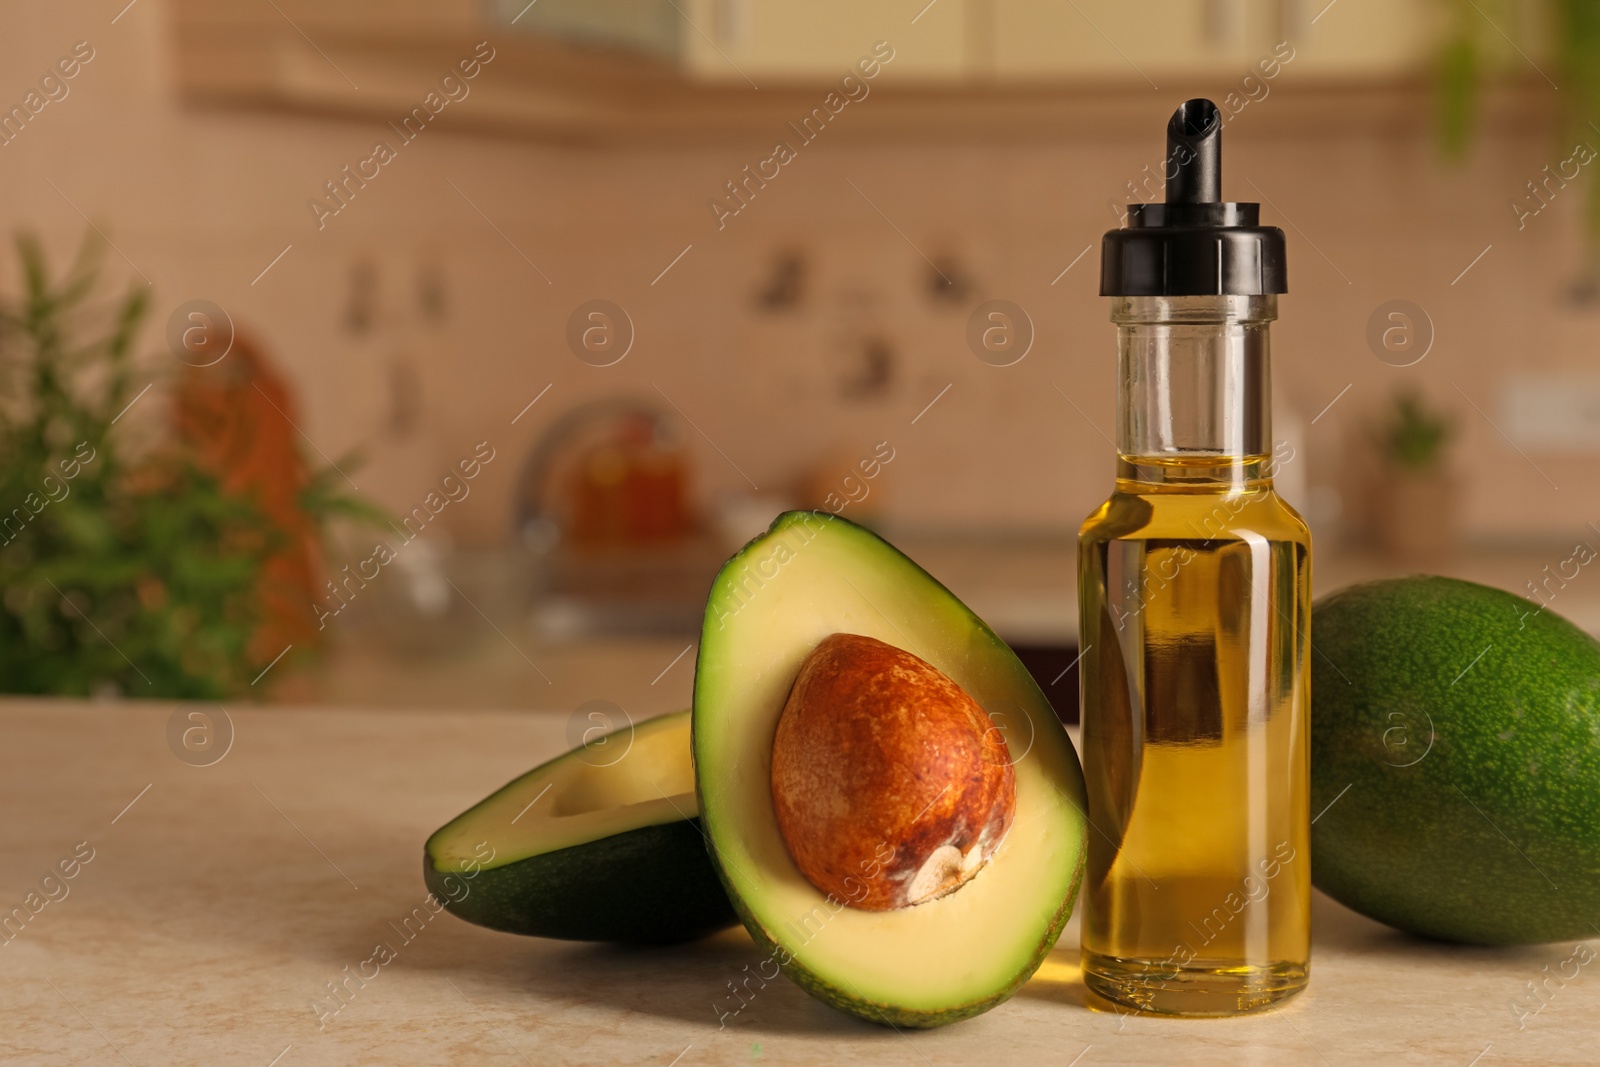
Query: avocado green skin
[1493, 836]
[651, 885]
[844, 1000]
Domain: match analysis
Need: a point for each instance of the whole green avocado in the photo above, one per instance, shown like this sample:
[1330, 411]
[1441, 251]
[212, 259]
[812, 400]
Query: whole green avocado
[1455, 752]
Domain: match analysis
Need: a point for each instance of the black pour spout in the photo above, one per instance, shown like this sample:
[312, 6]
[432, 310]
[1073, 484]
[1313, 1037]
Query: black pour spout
[1196, 243]
[1194, 154]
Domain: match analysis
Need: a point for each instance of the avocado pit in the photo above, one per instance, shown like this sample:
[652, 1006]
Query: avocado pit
[892, 786]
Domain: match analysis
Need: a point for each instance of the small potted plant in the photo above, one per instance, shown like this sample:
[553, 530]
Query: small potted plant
[1418, 517]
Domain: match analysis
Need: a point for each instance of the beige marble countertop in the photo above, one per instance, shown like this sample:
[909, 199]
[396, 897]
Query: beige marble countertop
[219, 900]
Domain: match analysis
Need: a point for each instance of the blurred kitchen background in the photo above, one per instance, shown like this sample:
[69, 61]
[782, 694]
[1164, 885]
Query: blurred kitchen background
[518, 380]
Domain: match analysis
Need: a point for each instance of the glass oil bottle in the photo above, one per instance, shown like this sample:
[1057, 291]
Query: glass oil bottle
[1194, 602]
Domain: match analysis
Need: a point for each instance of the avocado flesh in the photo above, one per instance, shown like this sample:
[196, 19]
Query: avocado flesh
[1466, 725]
[808, 577]
[599, 844]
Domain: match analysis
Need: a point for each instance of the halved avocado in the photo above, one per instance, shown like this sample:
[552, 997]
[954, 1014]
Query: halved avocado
[809, 576]
[592, 846]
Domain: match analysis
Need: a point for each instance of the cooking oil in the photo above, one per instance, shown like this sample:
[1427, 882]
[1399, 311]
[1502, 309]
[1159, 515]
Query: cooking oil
[1195, 581]
[1194, 608]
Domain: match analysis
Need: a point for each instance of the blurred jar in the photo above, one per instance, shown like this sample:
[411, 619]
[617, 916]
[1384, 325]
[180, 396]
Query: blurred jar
[630, 488]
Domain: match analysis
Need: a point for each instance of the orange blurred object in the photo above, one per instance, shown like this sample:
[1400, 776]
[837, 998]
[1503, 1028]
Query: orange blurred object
[237, 418]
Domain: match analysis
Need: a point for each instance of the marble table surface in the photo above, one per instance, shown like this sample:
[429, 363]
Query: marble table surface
[218, 901]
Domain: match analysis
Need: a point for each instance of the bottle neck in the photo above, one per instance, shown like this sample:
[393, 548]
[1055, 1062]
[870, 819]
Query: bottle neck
[1194, 406]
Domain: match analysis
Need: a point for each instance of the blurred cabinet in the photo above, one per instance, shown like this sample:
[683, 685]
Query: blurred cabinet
[675, 71]
[821, 40]
[1073, 42]
[1157, 40]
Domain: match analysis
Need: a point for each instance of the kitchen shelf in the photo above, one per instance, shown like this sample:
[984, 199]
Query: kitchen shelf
[368, 61]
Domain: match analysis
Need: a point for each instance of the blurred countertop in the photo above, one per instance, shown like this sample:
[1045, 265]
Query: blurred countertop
[221, 901]
[1024, 587]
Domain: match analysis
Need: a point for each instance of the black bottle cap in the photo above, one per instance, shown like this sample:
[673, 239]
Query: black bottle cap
[1195, 244]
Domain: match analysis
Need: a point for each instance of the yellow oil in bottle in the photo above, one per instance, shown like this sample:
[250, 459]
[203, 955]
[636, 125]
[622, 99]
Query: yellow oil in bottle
[1194, 604]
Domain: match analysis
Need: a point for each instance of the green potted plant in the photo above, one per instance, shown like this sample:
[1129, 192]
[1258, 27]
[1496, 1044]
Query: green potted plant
[133, 561]
[1419, 514]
